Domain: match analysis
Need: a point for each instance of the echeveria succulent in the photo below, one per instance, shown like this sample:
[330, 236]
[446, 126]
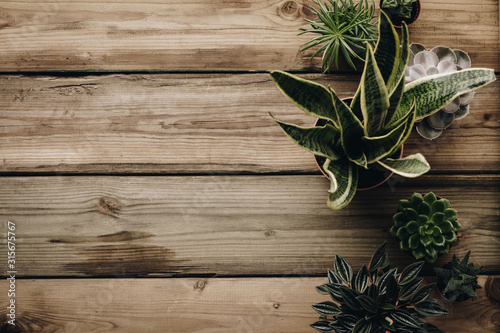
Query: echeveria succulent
[377, 300]
[380, 117]
[425, 226]
[457, 280]
[440, 59]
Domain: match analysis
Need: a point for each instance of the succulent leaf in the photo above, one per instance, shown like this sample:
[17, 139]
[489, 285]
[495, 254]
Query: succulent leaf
[387, 50]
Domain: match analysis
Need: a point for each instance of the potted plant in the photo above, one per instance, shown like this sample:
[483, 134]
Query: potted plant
[380, 117]
[440, 59]
[457, 280]
[425, 226]
[378, 299]
[343, 27]
[400, 11]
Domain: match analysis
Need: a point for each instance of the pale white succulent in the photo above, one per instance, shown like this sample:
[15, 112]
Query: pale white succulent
[440, 59]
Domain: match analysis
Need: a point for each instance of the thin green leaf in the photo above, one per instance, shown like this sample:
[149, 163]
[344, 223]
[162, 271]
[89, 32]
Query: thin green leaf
[411, 166]
[312, 98]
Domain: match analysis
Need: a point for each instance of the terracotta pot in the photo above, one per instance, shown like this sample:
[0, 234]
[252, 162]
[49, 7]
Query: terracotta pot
[396, 20]
[366, 176]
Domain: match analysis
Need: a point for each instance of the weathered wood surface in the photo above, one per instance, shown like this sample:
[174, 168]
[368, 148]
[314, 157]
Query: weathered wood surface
[213, 35]
[223, 225]
[266, 305]
[195, 123]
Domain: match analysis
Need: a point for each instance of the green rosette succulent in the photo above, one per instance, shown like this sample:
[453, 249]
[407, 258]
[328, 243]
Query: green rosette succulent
[457, 280]
[366, 132]
[378, 299]
[425, 226]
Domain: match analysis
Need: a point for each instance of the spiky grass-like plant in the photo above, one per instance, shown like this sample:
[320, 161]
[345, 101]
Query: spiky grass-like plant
[343, 27]
[377, 300]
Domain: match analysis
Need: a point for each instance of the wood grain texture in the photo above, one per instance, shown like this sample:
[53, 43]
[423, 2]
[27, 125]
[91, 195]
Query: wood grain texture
[195, 123]
[208, 35]
[223, 225]
[266, 305]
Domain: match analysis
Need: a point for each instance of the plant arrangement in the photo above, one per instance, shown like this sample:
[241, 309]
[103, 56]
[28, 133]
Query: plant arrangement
[440, 59]
[377, 300]
[401, 10]
[380, 117]
[457, 280]
[425, 226]
[343, 27]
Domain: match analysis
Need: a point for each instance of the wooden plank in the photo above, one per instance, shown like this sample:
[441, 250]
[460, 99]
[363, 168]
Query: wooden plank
[213, 35]
[203, 305]
[195, 123]
[223, 225]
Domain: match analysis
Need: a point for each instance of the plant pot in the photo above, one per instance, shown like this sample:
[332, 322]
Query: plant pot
[368, 179]
[398, 21]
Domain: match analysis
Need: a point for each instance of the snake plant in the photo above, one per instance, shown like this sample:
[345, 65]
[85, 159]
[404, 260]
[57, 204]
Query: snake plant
[343, 27]
[377, 300]
[403, 7]
[380, 117]
[425, 226]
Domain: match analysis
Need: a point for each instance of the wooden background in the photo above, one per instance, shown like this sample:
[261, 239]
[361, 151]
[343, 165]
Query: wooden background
[152, 192]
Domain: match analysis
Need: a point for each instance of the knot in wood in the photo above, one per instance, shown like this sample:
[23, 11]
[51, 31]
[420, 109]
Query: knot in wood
[289, 7]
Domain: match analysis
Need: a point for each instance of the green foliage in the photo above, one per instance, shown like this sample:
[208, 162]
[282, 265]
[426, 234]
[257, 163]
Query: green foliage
[425, 226]
[457, 280]
[378, 299]
[405, 6]
[343, 27]
[374, 126]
